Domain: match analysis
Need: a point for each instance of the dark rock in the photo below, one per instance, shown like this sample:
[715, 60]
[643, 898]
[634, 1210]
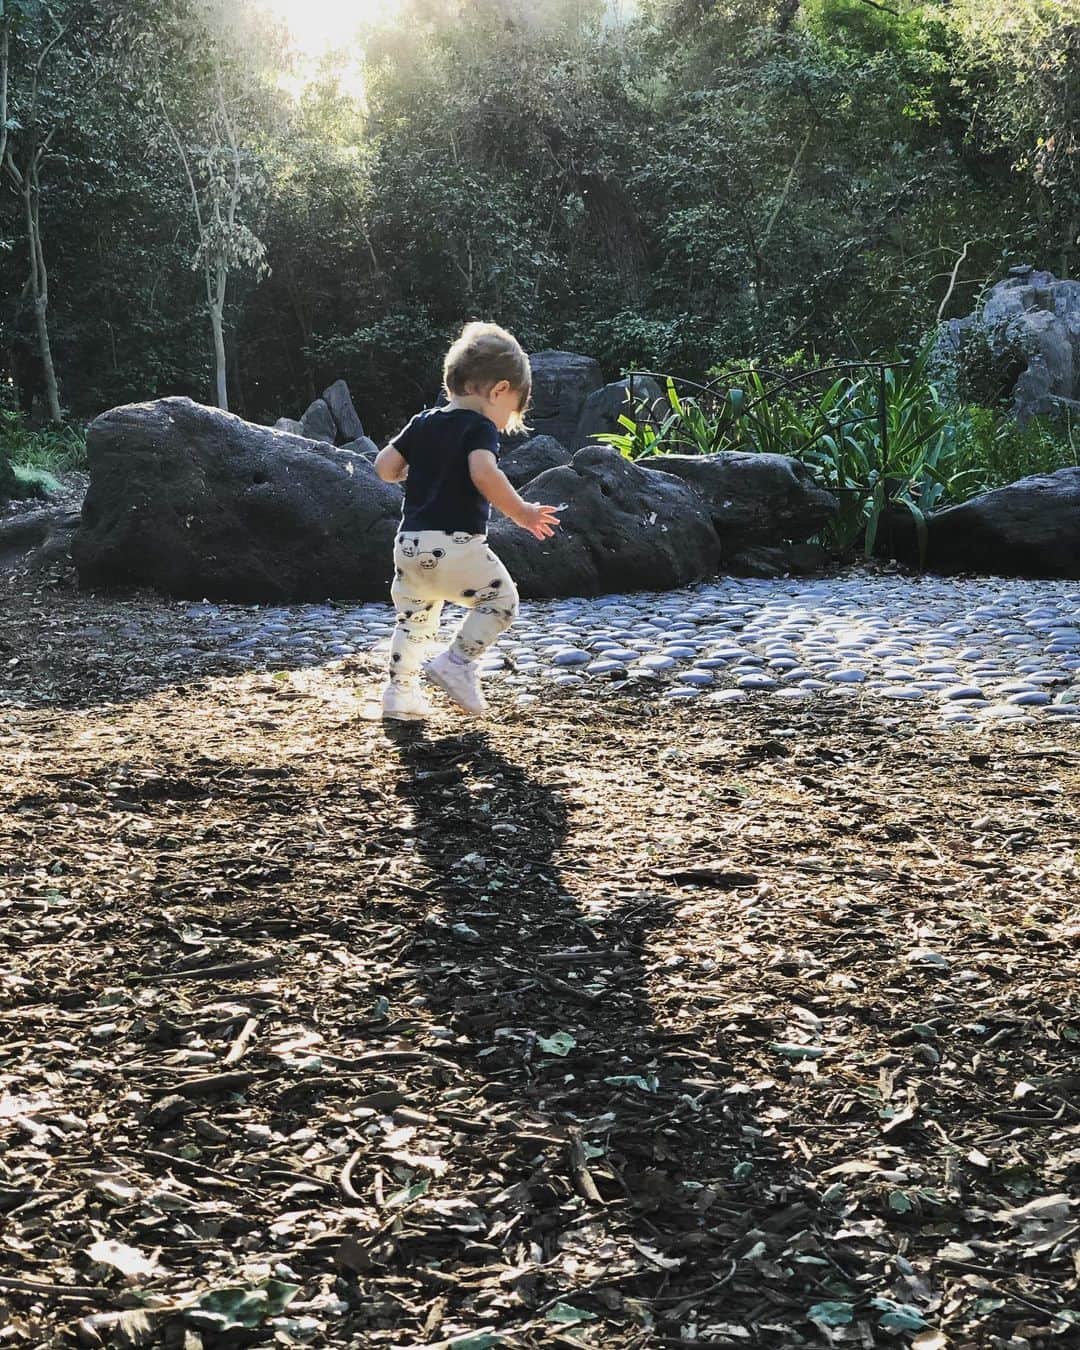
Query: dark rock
[782, 560]
[363, 445]
[525, 460]
[338, 399]
[37, 538]
[623, 528]
[1031, 528]
[605, 406]
[561, 382]
[318, 424]
[289, 424]
[753, 498]
[198, 503]
[1030, 322]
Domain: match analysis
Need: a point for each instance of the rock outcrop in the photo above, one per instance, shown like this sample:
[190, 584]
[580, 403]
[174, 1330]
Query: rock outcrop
[561, 383]
[752, 498]
[525, 460]
[623, 528]
[197, 503]
[1030, 323]
[1031, 528]
[641, 399]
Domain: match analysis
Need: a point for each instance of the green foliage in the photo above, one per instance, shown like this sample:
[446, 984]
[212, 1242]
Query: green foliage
[35, 483]
[704, 182]
[51, 450]
[1004, 451]
[882, 441]
[986, 366]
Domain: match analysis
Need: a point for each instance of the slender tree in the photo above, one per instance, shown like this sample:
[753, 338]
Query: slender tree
[223, 176]
[24, 154]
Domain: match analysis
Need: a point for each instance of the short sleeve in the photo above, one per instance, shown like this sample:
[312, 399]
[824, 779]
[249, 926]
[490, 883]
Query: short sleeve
[483, 435]
[403, 440]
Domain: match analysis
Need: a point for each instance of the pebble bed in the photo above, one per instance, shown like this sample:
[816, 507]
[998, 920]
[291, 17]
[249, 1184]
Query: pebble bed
[965, 652]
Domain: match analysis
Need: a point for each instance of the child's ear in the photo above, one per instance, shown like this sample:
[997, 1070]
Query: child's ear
[499, 389]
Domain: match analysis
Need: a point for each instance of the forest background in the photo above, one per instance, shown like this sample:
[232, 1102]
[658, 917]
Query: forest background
[188, 205]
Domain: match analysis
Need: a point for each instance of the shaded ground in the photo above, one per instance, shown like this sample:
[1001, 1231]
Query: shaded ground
[621, 1025]
[73, 485]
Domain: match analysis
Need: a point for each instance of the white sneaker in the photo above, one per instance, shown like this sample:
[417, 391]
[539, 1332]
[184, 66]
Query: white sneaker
[406, 703]
[458, 679]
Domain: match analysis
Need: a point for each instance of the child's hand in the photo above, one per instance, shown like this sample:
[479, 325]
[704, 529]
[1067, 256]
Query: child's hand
[539, 520]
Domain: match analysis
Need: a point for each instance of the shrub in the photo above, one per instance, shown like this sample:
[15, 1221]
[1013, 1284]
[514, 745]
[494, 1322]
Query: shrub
[987, 366]
[879, 441]
[1005, 451]
[54, 450]
[8, 484]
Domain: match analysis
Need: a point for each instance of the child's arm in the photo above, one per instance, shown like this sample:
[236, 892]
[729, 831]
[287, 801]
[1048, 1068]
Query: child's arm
[490, 481]
[391, 465]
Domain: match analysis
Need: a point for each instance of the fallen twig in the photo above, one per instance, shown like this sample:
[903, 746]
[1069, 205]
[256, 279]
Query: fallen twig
[212, 972]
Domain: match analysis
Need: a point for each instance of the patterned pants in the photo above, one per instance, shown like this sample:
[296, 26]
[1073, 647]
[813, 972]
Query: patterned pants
[431, 567]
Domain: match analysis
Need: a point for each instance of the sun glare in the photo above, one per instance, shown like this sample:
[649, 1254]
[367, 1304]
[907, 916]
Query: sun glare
[319, 27]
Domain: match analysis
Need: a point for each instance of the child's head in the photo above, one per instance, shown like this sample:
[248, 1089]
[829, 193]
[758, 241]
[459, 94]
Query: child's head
[486, 362]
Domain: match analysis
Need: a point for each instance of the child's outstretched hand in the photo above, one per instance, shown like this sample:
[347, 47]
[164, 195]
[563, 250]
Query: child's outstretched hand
[538, 519]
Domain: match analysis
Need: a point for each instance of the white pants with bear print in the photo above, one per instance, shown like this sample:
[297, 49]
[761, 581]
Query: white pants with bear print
[432, 567]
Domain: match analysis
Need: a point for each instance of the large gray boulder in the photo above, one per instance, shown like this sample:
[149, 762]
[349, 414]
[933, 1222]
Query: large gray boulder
[318, 422]
[1029, 323]
[363, 445]
[623, 528]
[289, 424]
[561, 382]
[338, 399]
[525, 460]
[197, 503]
[1031, 528]
[604, 407]
[753, 498]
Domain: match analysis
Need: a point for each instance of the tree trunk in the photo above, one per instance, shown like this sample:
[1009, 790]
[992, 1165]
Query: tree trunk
[1068, 240]
[39, 278]
[5, 41]
[52, 392]
[217, 312]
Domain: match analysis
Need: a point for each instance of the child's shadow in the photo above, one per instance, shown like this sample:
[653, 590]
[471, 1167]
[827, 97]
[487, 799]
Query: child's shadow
[548, 1000]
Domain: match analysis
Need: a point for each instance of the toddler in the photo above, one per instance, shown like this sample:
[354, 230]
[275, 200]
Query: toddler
[447, 458]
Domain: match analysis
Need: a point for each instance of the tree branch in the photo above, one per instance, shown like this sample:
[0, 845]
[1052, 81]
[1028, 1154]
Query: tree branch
[5, 47]
[787, 187]
[184, 160]
[234, 196]
[952, 281]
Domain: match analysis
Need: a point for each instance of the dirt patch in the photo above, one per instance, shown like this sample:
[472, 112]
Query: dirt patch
[73, 485]
[610, 1024]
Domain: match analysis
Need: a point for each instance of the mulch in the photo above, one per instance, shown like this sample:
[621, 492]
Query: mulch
[612, 1024]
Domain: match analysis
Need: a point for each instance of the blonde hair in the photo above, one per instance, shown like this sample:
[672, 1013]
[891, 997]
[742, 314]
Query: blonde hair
[483, 355]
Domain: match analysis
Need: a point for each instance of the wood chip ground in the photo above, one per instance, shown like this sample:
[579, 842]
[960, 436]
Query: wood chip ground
[608, 1024]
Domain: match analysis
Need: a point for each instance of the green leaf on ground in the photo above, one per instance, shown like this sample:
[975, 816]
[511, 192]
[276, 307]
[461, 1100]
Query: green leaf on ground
[794, 1051]
[407, 1193]
[561, 1043]
[898, 1316]
[568, 1314]
[231, 1309]
[649, 1084]
[831, 1314]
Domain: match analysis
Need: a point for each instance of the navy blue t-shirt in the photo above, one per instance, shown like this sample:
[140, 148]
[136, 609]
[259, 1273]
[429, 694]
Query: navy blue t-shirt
[439, 492]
